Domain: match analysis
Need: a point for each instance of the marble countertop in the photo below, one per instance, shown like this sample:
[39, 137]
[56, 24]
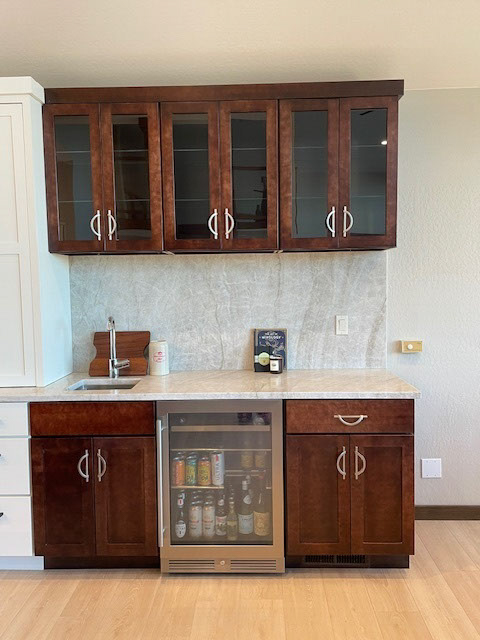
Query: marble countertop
[217, 385]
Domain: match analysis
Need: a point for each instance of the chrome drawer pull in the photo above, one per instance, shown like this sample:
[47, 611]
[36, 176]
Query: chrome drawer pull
[331, 218]
[358, 455]
[346, 228]
[79, 466]
[356, 419]
[342, 471]
[213, 218]
[96, 231]
[102, 465]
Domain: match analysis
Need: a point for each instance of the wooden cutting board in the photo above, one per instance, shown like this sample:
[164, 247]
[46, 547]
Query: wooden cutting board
[130, 344]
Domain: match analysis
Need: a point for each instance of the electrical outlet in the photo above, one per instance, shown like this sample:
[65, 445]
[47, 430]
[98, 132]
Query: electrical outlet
[341, 325]
[431, 467]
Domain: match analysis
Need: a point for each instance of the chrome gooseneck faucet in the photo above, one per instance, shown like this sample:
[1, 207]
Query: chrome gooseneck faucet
[114, 365]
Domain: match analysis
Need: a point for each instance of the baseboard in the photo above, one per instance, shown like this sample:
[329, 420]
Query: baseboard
[446, 512]
[21, 563]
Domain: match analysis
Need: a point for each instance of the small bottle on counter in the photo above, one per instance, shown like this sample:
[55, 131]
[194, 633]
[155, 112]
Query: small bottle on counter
[276, 364]
[158, 358]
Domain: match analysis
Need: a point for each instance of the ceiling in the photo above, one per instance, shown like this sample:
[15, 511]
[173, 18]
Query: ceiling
[429, 43]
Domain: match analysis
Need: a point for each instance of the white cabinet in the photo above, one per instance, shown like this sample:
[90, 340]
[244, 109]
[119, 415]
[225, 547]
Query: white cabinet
[35, 319]
[15, 486]
[15, 526]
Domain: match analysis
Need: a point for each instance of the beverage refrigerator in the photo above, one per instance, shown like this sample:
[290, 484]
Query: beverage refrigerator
[220, 486]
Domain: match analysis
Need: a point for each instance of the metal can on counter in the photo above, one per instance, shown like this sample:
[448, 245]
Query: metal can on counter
[204, 474]
[195, 520]
[191, 470]
[178, 470]
[217, 459]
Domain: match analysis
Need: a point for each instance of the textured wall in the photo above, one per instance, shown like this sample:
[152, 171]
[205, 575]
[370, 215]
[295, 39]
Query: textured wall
[206, 306]
[434, 284]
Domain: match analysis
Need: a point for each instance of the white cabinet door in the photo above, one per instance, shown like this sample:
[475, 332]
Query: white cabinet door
[14, 466]
[15, 526]
[17, 357]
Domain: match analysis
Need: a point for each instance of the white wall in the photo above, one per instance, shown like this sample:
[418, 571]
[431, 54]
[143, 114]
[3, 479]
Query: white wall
[434, 284]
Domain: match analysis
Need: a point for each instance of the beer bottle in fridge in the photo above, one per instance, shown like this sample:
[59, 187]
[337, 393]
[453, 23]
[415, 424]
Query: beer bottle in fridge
[180, 523]
[221, 518]
[232, 522]
[261, 511]
[245, 511]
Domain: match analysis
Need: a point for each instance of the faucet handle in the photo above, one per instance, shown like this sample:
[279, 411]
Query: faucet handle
[111, 323]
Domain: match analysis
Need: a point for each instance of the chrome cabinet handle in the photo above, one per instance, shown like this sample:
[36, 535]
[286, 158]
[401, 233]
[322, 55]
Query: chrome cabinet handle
[213, 218]
[331, 217]
[358, 455]
[96, 231]
[102, 465]
[356, 419]
[346, 213]
[112, 224]
[79, 466]
[342, 455]
[228, 217]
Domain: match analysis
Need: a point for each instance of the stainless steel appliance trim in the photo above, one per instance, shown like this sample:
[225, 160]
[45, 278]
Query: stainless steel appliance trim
[274, 551]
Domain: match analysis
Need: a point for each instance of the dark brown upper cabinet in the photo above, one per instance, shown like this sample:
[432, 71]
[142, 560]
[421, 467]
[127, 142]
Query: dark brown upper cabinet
[103, 177]
[308, 174]
[338, 173]
[368, 173]
[295, 167]
[220, 175]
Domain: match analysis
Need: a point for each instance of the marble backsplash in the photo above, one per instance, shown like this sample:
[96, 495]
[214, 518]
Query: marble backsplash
[206, 306]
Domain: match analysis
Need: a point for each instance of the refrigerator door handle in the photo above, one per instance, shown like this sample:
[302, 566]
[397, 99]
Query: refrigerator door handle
[161, 528]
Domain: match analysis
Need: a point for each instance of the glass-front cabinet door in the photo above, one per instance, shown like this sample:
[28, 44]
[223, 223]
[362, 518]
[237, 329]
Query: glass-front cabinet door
[309, 174]
[368, 172]
[131, 176]
[248, 142]
[73, 177]
[222, 482]
[191, 180]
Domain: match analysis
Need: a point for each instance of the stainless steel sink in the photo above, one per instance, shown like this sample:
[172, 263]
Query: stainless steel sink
[103, 384]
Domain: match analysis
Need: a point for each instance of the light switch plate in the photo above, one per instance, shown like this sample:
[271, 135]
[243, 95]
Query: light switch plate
[431, 467]
[412, 346]
[341, 325]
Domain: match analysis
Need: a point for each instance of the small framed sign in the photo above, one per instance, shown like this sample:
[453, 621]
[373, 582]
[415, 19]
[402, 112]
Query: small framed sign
[267, 342]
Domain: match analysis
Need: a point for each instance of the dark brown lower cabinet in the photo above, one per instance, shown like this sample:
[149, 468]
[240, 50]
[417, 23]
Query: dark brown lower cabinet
[382, 495]
[125, 496]
[349, 494]
[94, 496]
[63, 500]
[318, 497]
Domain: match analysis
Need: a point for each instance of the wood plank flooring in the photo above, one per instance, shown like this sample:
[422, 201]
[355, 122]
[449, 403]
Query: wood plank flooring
[437, 598]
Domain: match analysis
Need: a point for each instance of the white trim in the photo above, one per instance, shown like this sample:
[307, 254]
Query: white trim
[21, 86]
[22, 563]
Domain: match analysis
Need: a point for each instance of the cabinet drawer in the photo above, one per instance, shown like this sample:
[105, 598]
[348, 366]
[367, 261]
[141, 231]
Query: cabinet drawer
[14, 466]
[15, 526]
[349, 416]
[13, 419]
[92, 418]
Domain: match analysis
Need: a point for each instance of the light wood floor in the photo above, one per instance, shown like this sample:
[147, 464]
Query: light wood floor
[437, 598]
